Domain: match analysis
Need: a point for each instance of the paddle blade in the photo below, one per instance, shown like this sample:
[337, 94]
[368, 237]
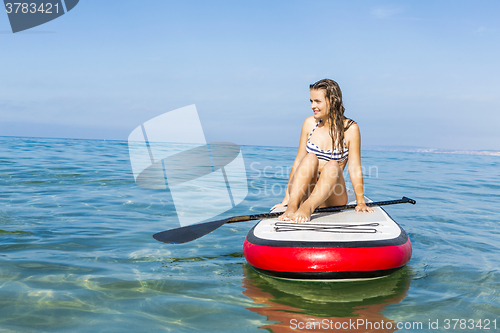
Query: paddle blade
[188, 233]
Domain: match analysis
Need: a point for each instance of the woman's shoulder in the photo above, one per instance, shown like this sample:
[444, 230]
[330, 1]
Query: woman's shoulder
[310, 119]
[348, 123]
[351, 129]
[309, 123]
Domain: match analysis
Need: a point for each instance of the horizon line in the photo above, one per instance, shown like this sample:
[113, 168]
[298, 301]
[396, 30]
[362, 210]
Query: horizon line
[386, 148]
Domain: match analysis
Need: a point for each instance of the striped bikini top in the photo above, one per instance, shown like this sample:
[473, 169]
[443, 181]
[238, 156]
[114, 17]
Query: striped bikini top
[327, 155]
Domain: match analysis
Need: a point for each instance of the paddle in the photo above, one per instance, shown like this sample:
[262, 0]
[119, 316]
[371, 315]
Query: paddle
[192, 232]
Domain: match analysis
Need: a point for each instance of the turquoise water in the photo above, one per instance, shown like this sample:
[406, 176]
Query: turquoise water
[76, 252]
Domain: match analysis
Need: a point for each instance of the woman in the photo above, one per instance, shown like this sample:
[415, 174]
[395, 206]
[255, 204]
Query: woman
[328, 141]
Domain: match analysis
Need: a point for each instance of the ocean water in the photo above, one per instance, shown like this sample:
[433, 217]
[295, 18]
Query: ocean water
[76, 252]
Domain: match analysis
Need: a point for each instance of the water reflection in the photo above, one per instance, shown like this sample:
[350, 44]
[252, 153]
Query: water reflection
[320, 306]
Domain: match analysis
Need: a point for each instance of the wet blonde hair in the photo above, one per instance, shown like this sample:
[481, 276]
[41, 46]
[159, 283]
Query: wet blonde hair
[333, 95]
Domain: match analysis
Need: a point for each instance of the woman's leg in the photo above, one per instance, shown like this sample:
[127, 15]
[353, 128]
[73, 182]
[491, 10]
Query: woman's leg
[330, 190]
[303, 178]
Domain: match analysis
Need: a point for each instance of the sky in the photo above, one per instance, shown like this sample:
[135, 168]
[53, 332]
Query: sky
[412, 73]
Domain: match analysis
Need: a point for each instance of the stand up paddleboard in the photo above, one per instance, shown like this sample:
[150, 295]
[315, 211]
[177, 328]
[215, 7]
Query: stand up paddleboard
[343, 245]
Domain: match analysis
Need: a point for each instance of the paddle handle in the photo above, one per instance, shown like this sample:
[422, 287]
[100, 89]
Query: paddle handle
[244, 218]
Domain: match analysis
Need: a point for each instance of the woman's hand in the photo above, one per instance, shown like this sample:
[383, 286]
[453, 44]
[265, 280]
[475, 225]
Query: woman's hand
[362, 207]
[282, 204]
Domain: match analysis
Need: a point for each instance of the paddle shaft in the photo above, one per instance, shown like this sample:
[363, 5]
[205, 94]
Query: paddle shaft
[245, 218]
[194, 231]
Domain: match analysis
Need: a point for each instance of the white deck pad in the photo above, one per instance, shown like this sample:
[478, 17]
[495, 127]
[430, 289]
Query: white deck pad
[344, 226]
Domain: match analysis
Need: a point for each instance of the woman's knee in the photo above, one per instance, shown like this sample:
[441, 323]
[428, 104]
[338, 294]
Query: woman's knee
[311, 158]
[332, 169]
[308, 164]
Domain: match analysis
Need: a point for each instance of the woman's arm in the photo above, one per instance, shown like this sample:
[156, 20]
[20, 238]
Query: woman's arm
[307, 126]
[353, 138]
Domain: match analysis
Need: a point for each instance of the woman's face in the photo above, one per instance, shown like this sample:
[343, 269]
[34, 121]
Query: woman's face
[319, 105]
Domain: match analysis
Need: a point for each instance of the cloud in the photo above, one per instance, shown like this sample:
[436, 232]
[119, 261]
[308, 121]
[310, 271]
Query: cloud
[385, 12]
[483, 30]
[475, 97]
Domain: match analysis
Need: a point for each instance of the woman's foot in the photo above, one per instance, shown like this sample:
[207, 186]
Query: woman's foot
[286, 216]
[303, 214]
